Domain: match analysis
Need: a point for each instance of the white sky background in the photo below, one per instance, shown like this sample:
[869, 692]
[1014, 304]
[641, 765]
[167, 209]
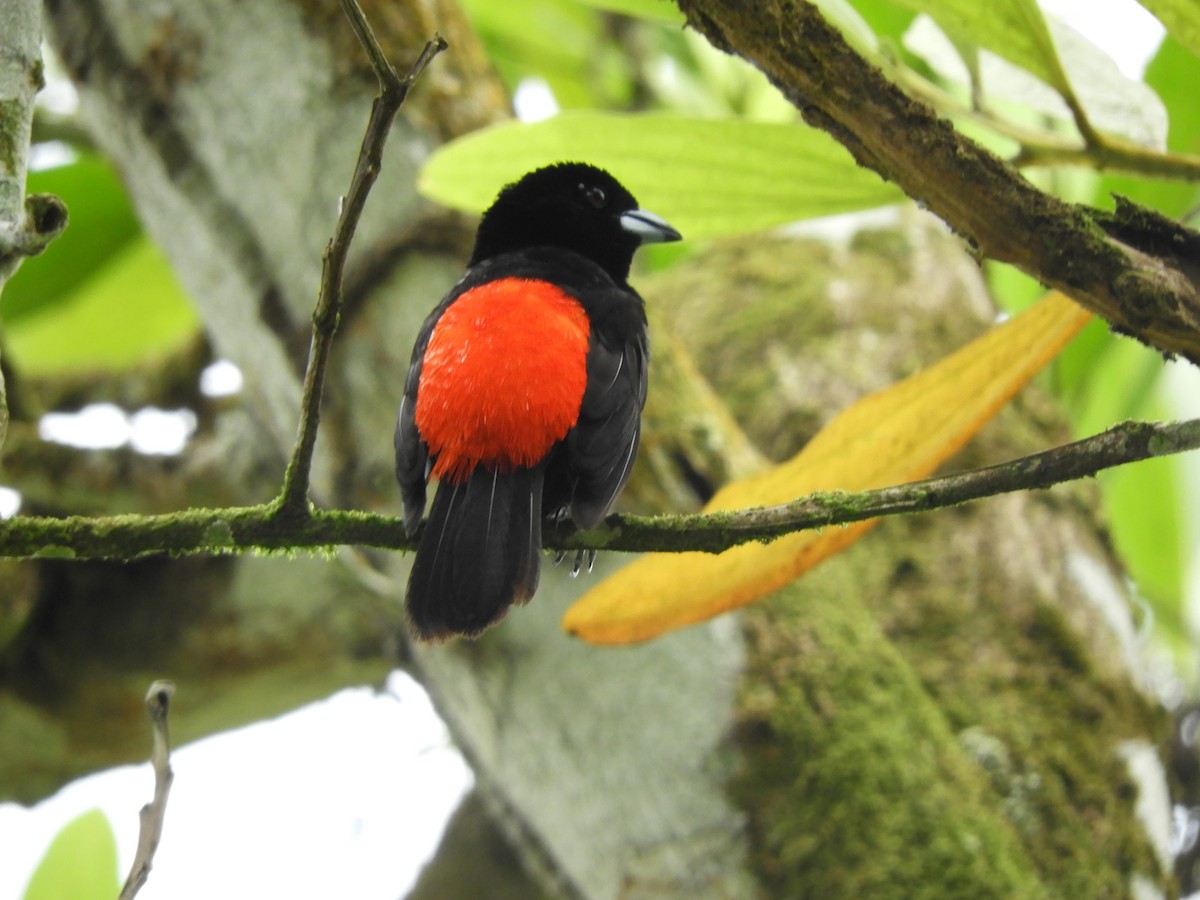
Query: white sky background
[1122, 28]
[347, 797]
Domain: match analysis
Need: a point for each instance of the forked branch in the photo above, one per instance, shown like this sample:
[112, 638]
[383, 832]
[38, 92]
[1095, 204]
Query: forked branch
[393, 90]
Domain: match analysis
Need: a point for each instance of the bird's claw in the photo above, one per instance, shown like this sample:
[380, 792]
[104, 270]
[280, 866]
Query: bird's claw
[580, 557]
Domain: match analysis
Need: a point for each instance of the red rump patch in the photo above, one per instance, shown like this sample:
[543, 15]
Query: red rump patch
[503, 376]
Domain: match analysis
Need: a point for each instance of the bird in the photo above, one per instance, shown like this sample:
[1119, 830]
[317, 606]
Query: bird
[524, 394]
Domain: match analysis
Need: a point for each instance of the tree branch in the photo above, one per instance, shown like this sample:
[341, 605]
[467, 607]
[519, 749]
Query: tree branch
[1143, 284]
[1043, 147]
[714, 532]
[158, 701]
[27, 225]
[1110, 154]
[259, 528]
[21, 231]
[393, 90]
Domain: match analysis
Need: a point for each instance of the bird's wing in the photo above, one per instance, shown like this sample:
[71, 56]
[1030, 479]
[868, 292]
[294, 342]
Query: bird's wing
[604, 442]
[412, 453]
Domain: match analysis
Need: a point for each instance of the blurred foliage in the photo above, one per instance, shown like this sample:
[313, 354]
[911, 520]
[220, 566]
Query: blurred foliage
[129, 309]
[717, 151]
[772, 173]
[1182, 18]
[80, 863]
[102, 221]
[721, 152]
[101, 297]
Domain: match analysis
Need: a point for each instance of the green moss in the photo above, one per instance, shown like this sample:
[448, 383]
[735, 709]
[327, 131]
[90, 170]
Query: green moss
[914, 728]
[219, 534]
[765, 293]
[856, 783]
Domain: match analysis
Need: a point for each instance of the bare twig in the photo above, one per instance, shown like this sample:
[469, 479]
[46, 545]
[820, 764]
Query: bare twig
[207, 531]
[1041, 147]
[1110, 154]
[158, 701]
[393, 90]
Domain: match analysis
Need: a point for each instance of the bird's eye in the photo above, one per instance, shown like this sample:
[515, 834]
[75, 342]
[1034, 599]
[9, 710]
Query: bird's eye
[595, 196]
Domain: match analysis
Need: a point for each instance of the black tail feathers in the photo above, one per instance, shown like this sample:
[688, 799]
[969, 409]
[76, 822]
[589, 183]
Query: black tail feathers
[479, 554]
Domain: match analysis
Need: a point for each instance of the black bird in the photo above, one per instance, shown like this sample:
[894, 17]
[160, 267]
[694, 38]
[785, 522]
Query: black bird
[524, 394]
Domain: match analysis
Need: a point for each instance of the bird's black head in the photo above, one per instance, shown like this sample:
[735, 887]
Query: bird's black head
[574, 206]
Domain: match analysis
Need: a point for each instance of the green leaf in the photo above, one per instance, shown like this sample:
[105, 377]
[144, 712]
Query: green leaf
[853, 26]
[1145, 513]
[80, 864]
[1114, 103]
[1173, 74]
[1144, 504]
[1012, 29]
[1071, 375]
[886, 19]
[131, 309]
[1011, 288]
[707, 177]
[1181, 18]
[102, 222]
[1121, 386]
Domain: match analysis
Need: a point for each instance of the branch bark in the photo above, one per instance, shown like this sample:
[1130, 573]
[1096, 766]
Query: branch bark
[1134, 267]
[393, 90]
[152, 815]
[20, 80]
[275, 527]
[27, 225]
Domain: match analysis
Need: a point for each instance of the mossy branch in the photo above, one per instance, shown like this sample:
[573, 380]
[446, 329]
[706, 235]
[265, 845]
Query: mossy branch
[290, 524]
[276, 527]
[1143, 285]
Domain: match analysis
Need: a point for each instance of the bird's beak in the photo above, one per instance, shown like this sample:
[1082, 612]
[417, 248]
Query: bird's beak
[648, 228]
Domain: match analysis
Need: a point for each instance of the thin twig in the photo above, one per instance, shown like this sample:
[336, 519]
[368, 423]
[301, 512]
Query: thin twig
[393, 90]
[257, 528]
[1110, 154]
[158, 701]
[1039, 147]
